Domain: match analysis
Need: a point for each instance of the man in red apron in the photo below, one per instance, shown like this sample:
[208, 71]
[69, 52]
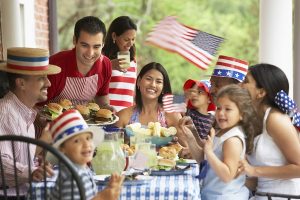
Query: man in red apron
[85, 72]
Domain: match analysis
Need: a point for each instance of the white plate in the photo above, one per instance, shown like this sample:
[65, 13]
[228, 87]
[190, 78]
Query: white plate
[186, 162]
[181, 171]
[93, 123]
[140, 180]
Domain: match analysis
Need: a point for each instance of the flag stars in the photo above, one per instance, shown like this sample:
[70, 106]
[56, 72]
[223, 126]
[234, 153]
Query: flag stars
[229, 74]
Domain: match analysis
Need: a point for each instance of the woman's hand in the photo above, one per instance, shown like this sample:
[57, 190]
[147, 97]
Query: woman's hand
[116, 64]
[245, 167]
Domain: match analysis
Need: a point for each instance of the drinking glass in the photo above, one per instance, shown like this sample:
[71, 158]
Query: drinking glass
[125, 55]
[149, 150]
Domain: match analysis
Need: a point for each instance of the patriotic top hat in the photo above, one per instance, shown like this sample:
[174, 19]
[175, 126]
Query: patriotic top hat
[71, 123]
[231, 68]
[28, 61]
[205, 85]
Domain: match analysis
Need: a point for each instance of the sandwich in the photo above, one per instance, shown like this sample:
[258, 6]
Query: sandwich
[103, 115]
[165, 164]
[66, 104]
[168, 153]
[52, 111]
[84, 111]
[176, 146]
[93, 108]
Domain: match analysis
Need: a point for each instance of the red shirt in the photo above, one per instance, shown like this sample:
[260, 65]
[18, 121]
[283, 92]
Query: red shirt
[66, 60]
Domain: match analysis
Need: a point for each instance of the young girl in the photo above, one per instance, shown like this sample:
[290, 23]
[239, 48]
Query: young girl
[235, 116]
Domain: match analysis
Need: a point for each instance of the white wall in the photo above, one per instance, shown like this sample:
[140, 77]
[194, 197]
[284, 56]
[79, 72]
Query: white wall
[18, 28]
[276, 35]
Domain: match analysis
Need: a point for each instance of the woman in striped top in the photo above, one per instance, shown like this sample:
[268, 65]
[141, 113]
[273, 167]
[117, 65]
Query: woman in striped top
[121, 37]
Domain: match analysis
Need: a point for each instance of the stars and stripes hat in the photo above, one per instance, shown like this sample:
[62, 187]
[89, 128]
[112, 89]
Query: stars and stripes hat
[28, 61]
[205, 85]
[71, 123]
[231, 68]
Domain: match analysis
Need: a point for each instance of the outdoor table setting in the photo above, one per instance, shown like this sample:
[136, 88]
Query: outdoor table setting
[184, 186]
[145, 176]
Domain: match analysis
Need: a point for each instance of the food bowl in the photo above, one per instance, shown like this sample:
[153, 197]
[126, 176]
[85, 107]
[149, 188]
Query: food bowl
[160, 141]
[157, 140]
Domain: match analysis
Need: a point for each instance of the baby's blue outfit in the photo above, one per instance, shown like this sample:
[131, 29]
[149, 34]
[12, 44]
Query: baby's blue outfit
[213, 188]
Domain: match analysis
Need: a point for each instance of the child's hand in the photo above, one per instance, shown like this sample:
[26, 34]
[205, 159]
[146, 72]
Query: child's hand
[115, 181]
[113, 189]
[245, 167]
[208, 143]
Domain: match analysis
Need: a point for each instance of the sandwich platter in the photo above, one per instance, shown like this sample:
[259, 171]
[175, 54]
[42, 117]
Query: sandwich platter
[129, 179]
[92, 122]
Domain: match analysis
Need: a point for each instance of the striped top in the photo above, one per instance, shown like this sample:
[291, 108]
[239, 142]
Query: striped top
[122, 86]
[161, 118]
[87, 180]
[203, 123]
[16, 119]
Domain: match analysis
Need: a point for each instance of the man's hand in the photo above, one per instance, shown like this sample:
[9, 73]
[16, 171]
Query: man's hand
[38, 174]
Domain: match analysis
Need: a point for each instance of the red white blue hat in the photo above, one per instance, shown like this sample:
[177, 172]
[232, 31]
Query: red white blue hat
[231, 68]
[28, 61]
[71, 123]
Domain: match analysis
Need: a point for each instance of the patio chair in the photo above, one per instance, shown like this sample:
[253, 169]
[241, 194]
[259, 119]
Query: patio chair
[270, 195]
[18, 190]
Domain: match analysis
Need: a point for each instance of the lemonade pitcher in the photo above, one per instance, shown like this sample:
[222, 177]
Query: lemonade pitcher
[109, 156]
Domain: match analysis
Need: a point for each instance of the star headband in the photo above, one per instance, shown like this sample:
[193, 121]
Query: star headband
[287, 105]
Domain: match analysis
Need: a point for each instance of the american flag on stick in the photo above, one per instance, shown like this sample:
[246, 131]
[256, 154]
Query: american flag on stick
[169, 106]
[195, 46]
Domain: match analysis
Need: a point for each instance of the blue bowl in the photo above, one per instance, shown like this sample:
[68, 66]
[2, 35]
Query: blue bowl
[158, 141]
[161, 141]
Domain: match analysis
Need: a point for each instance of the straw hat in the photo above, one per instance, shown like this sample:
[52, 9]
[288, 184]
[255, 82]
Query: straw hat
[231, 68]
[28, 61]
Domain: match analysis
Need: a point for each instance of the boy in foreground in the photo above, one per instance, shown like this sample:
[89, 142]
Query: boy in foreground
[76, 140]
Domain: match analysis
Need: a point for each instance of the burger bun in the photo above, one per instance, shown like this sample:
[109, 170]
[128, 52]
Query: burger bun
[66, 104]
[84, 111]
[166, 162]
[103, 115]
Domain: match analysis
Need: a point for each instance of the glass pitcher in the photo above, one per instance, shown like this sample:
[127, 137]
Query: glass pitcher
[109, 156]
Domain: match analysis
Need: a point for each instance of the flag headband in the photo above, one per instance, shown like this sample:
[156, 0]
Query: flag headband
[287, 105]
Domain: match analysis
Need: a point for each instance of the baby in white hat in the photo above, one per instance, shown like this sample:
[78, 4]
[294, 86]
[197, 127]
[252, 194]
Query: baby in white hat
[76, 140]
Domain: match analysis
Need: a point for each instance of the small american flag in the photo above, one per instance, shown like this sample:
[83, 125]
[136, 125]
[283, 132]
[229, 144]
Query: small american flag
[195, 46]
[169, 106]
